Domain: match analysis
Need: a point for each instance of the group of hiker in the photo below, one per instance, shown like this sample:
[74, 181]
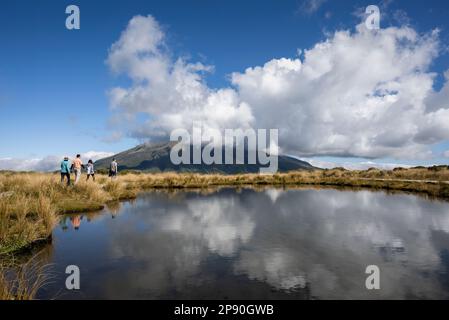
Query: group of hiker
[77, 166]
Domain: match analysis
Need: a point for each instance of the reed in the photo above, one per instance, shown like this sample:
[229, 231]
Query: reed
[22, 281]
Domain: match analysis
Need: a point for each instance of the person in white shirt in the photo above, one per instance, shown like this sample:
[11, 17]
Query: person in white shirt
[90, 170]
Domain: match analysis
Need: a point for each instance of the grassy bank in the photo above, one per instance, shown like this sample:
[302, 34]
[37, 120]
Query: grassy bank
[21, 277]
[31, 202]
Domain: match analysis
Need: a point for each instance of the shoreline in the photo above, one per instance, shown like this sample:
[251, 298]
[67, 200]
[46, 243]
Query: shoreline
[41, 200]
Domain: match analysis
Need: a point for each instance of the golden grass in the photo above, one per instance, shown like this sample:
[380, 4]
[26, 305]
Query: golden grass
[30, 204]
[430, 181]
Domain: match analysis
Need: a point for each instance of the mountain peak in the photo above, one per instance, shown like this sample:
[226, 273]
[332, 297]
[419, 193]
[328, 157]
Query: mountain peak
[156, 157]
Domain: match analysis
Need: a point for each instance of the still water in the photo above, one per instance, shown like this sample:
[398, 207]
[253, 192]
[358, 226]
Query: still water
[247, 244]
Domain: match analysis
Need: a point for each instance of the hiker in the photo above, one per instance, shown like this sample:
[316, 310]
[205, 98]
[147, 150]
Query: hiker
[77, 165]
[113, 169]
[90, 170]
[65, 170]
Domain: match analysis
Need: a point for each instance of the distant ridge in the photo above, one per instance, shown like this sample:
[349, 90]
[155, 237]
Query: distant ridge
[156, 158]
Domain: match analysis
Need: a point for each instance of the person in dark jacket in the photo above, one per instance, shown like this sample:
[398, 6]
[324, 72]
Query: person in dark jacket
[113, 169]
[65, 170]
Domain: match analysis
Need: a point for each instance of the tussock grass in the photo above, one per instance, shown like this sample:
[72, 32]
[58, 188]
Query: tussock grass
[30, 204]
[21, 280]
[430, 181]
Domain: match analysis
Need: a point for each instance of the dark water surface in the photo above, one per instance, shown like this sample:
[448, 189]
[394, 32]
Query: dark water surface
[230, 244]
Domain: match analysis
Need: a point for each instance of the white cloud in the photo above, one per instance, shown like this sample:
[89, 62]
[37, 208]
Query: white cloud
[95, 155]
[48, 163]
[172, 93]
[446, 154]
[363, 165]
[362, 94]
[311, 6]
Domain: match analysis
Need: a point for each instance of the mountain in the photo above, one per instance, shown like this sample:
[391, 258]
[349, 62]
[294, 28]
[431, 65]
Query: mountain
[156, 157]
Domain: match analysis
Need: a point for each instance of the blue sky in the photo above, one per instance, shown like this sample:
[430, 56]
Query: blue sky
[54, 82]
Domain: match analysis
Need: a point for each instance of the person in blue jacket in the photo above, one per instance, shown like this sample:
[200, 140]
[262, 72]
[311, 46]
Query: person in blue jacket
[65, 170]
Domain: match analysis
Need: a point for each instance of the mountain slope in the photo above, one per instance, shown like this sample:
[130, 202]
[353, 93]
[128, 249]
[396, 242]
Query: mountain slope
[156, 157]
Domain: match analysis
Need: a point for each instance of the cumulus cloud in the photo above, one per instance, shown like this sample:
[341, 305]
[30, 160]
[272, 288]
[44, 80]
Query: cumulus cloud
[172, 93]
[95, 155]
[48, 163]
[363, 93]
[363, 165]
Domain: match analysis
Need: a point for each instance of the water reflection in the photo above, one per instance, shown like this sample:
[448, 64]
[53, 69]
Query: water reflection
[23, 275]
[268, 244]
[114, 208]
